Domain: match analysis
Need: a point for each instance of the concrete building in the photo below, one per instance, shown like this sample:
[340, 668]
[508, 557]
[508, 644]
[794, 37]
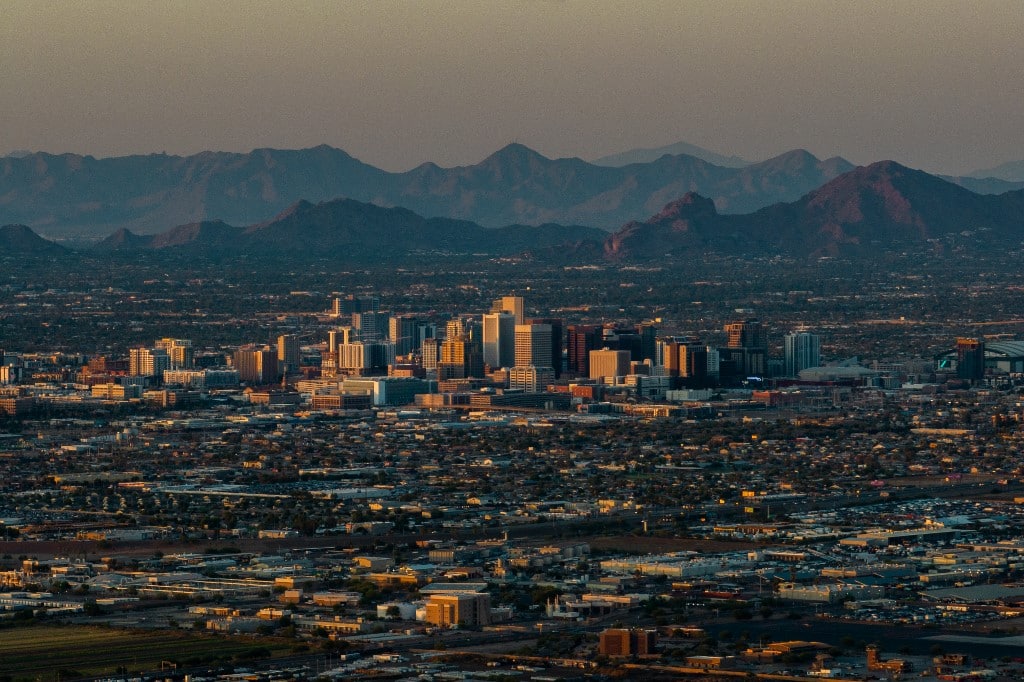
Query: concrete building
[609, 363]
[631, 642]
[512, 305]
[462, 609]
[531, 379]
[148, 362]
[179, 351]
[256, 364]
[287, 353]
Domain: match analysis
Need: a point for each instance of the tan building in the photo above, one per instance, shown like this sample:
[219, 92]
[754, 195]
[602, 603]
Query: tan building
[609, 363]
[623, 642]
[464, 609]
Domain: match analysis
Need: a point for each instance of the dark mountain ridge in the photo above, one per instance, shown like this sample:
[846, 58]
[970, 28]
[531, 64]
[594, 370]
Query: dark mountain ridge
[68, 195]
[881, 207]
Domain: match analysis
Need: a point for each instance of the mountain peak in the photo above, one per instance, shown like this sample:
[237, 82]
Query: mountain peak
[689, 205]
[21, 240]
[515, 151]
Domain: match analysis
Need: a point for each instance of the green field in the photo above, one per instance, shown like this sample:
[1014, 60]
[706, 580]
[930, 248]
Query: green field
[53, 652]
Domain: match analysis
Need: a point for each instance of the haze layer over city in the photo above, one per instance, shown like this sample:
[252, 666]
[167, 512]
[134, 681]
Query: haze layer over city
[518, 341]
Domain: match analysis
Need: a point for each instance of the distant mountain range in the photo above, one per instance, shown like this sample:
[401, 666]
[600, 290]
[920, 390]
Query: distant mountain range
[1012, 171]
[646, 155]
[350, 231]
[871, 210]
[883, 207]
[71, 196]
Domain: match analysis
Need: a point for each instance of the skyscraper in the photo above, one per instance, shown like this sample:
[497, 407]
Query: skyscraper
[748, 344]
[402, 330]
[287, 353]
[499, 343]
[461, 357]
[557, 340]
[510, 304]
[179, 351]
[582, 339]
[970, 359]
[533, 345]
[371, 325]
[802, 350]
[148, 362]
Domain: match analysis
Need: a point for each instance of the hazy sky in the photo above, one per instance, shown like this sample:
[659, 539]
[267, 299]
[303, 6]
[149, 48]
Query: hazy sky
[933, 84]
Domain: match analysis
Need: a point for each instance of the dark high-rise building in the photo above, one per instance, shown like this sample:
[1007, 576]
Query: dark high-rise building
[648, 340]
[403, 333]
[287, 353]
[748, 347]
[371, 325]
[970, 359]
[355, 304]
[557, 340]
[581, 340]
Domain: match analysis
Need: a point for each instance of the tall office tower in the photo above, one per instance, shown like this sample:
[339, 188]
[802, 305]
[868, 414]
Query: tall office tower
[581, 340]
[533, 345]
[746, 334]
[402, 332]
[430, 353]
[499, 343]
[344, 306]
[2, 359]
[510, 304]
[714, 361]
[970, 359]
[666, 354]
[749, 339]
[648, 333]
[693, 363]
[179, 350]
[609, 363]
[287, 353]
[454, 329]
[461, 357]
[424, 331]
[616, 338]
[256, 364]
[371, 326]
[801, 350]
[148, 362]
[557, 341]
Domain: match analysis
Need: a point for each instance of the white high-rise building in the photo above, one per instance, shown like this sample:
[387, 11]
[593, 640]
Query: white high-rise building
[499, 340]
[802, 351]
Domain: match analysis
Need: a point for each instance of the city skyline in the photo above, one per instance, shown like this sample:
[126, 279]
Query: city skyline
[927, 84]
